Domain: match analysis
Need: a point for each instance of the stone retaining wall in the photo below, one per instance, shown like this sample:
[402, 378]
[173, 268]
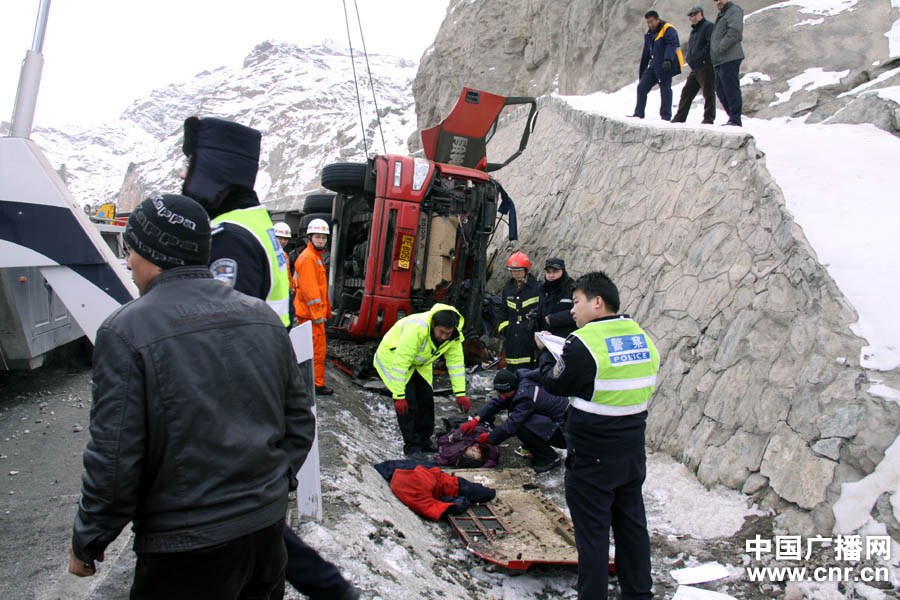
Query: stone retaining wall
[760, 387]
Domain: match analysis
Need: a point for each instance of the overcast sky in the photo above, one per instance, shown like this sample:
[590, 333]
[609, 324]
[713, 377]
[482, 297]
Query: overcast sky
[100, 55]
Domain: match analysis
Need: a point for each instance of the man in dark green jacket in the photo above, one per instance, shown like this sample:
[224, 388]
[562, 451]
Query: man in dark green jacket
[702, 75]
[727, 53]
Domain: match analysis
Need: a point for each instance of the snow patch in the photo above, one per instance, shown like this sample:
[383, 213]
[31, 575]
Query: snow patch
[677, 502]
[811, 79]
[889, 93]
[686, 592]
[751, 78]
[883, 391]
[827, 8]
[893, 35]
[852, 510]
[818, 21]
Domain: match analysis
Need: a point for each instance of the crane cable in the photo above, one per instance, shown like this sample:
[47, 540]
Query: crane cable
[371, 81]
[356, 81]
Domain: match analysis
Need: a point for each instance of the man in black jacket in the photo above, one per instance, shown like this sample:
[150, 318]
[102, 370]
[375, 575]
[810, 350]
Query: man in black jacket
[199, 424]
[555, 307]
[661, 60]
[536, 417]
[702, 75]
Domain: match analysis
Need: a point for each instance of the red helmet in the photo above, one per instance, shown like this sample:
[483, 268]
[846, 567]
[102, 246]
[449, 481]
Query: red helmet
[518, 260]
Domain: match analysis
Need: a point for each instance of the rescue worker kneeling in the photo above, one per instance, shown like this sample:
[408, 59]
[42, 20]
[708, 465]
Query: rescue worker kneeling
[536, 417]
[311, 295]
[404, 361]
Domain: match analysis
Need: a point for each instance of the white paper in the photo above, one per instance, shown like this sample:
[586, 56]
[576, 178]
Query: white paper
[686, 592]
[705, 572]
[553, 343]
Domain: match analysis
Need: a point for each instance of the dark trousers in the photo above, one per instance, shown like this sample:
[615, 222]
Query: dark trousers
[542, 451]
[417, 425]
[250, 567]
[728, 89]
[704, 79]
[646, 83]
[602, 493]
[311, 574]
[520, 348]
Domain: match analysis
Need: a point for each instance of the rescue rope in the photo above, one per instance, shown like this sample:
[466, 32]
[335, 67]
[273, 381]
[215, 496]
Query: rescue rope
[371, 82]
[355, 81]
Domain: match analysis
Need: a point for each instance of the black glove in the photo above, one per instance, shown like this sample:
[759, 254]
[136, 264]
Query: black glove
[667, 66]
[458, 504]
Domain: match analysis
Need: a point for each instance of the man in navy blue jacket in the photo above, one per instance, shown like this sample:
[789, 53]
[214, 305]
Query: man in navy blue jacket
[660, 61]
[536, 417]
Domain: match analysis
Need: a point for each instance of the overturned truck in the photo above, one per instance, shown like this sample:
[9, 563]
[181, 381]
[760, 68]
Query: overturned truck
[408, 232]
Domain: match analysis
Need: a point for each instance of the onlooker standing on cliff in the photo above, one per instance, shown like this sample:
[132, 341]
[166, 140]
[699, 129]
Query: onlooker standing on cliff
[702, 75]
[727, 53]
[661, 60]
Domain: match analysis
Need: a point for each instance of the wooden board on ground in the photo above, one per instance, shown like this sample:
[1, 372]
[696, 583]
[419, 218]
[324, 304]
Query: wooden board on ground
[520, 527]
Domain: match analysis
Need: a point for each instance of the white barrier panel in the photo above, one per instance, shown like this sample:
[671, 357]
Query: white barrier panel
[309, 488]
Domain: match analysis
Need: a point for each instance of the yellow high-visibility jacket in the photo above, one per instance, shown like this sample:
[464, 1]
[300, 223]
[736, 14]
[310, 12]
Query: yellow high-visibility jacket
[408, 346]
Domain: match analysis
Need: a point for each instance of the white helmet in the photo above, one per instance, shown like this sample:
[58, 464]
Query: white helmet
[282, 229]
[317, 226]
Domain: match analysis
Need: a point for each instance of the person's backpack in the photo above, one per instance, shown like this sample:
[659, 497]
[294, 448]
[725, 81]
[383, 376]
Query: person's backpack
[452, 447]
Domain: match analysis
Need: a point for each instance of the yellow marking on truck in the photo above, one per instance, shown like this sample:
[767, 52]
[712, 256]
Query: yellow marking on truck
[406, 248]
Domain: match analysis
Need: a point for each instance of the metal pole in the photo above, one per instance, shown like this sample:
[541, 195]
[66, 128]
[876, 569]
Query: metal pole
[30, 77]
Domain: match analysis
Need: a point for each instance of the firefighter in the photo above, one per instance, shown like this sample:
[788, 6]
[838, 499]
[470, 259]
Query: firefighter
[311, 295]
[223, 158]
[522, 294]
[608, 367]
[404, 362]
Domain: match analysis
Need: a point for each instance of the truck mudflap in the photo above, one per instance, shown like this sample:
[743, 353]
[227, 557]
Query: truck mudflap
[519, 528]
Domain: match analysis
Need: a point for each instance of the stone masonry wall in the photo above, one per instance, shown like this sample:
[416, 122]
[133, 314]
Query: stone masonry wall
[760, 387]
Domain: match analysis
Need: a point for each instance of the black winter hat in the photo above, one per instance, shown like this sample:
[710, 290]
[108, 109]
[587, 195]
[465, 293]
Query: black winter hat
[223, 155]
[169, 231]
[555, 263]
[505, 381]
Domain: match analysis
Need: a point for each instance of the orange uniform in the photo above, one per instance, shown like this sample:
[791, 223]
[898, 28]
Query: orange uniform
[311, 302]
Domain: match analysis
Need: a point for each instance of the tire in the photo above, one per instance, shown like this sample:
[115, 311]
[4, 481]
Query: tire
[317, 203]
[341, 177]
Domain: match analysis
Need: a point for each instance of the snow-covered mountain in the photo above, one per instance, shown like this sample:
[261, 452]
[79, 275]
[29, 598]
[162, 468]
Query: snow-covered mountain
[303, 100]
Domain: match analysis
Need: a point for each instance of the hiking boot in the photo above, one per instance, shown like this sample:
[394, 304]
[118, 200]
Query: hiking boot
[549, 466]
[324, 391]
[523, 452]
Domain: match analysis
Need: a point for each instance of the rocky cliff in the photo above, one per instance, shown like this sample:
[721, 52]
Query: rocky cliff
[761, 388]
[816, 60]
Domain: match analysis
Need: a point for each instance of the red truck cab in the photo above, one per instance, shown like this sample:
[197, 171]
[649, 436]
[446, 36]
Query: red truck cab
[408, 232]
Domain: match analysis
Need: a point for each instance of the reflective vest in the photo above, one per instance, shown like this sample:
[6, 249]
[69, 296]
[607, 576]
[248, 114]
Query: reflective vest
[256, 220]
[627, 363]
[408, 347]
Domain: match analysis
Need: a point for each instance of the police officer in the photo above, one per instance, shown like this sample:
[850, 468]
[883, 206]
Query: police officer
[555, 307]
[404, 361]
[609, 367]
[521, 294]
[223, 158]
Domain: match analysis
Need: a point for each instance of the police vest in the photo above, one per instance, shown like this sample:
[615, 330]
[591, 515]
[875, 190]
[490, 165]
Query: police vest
[627, 363]
[256, 221]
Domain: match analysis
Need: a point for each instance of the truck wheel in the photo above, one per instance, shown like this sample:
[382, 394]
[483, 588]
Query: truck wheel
[341, 177]
[317, 203]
